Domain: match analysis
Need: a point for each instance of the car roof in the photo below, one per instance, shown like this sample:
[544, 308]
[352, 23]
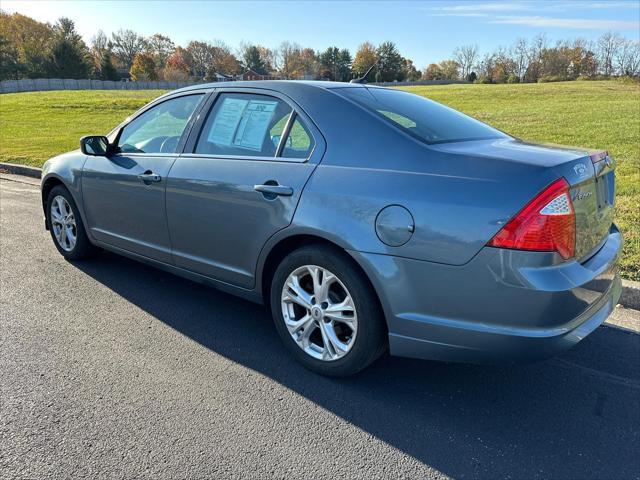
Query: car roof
[278, 85]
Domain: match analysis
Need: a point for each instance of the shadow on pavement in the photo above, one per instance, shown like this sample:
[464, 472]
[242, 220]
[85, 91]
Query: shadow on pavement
[572, 417]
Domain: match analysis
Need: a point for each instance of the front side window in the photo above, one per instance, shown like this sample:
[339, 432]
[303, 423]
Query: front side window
[243, 124]
[158, 130]
[423, 119]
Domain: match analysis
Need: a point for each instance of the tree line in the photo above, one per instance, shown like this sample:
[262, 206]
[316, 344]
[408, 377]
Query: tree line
[32, 49]
[537, 60]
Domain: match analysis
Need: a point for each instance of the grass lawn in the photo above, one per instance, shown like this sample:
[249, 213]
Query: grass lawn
[605, 114]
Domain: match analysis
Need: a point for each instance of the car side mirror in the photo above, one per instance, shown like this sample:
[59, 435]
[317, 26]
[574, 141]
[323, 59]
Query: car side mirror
[95, 145]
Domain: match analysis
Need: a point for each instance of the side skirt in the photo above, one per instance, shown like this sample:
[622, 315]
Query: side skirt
[251, 295]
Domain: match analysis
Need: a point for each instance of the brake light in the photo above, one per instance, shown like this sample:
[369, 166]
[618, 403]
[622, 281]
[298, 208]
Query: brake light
[546, 224]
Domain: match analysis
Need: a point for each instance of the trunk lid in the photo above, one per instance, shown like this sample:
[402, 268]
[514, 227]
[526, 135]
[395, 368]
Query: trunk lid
[590, 175]
[592, 181]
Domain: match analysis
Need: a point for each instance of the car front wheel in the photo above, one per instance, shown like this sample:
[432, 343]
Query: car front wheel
[326, 312]
[66, 227]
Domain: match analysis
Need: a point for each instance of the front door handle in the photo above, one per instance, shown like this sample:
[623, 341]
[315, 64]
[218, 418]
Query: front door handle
[274, 190]
[149, 177]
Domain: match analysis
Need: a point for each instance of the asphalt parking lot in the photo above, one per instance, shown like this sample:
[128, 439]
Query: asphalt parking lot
[113, 369]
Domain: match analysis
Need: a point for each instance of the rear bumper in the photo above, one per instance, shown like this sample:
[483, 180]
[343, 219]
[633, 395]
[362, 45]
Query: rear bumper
[500, 307]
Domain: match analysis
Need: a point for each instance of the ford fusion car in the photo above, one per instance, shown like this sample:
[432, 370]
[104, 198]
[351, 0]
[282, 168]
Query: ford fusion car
[367, 219]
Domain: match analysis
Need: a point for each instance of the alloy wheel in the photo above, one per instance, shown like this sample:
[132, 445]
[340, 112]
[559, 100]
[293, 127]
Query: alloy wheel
[63, 223]
[319, 312]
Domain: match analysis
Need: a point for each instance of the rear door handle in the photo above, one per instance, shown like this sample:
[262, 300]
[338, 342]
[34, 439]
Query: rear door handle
[274, 190]
[149, 177]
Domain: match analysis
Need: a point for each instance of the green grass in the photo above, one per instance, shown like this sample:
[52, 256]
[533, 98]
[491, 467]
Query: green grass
[35, 126]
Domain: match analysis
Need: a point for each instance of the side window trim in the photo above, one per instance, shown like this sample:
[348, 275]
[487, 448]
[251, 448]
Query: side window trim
[285, 133]
[207, 106]
[185, 133]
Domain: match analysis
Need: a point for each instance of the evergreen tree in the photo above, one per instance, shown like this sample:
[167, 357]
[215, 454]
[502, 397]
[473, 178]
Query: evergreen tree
[68, 57]
[252, 60]
[390, 62]
[107, 69]
[10, 67]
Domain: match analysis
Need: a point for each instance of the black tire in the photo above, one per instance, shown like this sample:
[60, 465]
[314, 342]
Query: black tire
[370, 341]
[83, 248]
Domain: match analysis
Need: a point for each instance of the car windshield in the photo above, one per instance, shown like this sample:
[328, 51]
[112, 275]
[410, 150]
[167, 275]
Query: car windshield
[421, 118]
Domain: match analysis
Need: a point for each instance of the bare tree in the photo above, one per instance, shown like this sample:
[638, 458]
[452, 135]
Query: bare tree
[626, 57]
[608, 45]
[100, 42]
[160, 47]
[536, 48]
[521, 57]
[466, 57]
[126, 45]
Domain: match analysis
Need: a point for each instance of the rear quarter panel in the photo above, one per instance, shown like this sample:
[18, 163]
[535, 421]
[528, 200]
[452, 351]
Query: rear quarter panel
[458, 200]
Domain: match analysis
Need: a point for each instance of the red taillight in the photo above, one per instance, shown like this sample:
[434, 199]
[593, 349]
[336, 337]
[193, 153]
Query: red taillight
[546, 224]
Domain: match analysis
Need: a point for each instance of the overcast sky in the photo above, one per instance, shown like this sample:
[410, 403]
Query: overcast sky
[425, 31]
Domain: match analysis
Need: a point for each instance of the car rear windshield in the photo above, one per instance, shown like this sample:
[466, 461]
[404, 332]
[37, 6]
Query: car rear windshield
[423, 119]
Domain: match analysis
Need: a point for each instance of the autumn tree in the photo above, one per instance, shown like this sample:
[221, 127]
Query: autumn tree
[411, 73]
[450, 69]
[177, 66]
[432, 72]
[288, 59]
[309, 63]
[365, 57]
[223, 60]
[143, 68]
[29, 39]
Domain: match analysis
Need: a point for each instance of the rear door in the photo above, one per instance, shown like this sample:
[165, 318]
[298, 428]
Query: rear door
[239, 181]
[124, 194]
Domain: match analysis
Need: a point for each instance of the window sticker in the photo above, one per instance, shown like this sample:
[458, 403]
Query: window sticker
[255, 121]
[226, 122]
[242, 123]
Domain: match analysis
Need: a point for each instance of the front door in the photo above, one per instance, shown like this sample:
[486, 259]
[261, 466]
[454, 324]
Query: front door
[240, 184]
[124, 194]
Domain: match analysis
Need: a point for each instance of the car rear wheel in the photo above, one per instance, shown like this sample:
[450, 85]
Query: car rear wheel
[66, 227]
[326, 312]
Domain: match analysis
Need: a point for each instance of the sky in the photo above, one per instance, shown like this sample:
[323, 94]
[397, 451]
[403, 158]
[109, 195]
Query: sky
[425, 31]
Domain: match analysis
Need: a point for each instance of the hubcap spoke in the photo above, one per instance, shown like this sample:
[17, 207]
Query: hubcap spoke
[304, 323]
[319, 313]
[295, 293]
[338, 348]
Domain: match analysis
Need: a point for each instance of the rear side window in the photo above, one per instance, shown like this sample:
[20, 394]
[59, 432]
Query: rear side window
[299, 142]
[423, 119]
[242, 124]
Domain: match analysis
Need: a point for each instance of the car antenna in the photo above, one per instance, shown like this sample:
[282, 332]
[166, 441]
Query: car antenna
[362, 79]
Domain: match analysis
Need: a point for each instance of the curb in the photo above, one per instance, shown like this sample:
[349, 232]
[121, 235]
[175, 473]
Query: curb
[630, 297]
[24, 170]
